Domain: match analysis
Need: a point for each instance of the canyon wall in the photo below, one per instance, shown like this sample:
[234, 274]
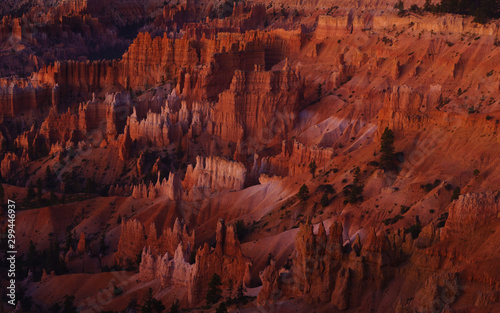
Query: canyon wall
[368, 21]
[258, 106]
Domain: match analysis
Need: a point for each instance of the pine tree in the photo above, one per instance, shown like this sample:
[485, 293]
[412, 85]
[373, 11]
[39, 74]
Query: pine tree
[222, 308]
[214, 293]
[456, 193]
[90, 186]
[325, 201]
[388, 157]
[102, 245]
[180, 152]
[32, 255]
[319, 90]
[69, 239]
[354, 192]
[312, 168]
[53, 197]
[50, 180]
[2, 194]
[303, 193]
[152, 305]
[69, 306]
[39, 187]
[240, 292]
[230, 289]
[175, 307]
[30, 195]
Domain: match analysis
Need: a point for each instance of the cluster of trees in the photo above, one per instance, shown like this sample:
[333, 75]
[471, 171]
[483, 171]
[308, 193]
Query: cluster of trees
[67, 306]
[482, 10]
[222, 10]
[153, 305]
[214, 294]
[48, 259]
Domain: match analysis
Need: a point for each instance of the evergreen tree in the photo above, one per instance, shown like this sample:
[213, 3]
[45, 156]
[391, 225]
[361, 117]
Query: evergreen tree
[69, 239]
[2, 194]
[214, 293]
[399, 5]
[240, 292]
[102, 245]
[303, 193]
[456, 193]
[388, 157]
[90, 186]
[325, 201]
[179, 153]
[428, 6]
[32, 255]
[354, 192]
[357, 175]
[230, 289]
[175, 307]
[222, 308]
[53, 262]
[312, 168]
[240, 229]
[50, 179]
[39, 187]
[53, 197]
[69, 306]
[319, 90]
[30, 195]
[56, 308]
[152, 305]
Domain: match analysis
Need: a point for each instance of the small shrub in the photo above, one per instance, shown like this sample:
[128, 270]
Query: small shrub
[241, 229]
[312, 168]
[325, 201]
[456, 193]
[442, 220]
[414, 230]
[326, 188]
[303, 193]
[429, 187]
[392, 220]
